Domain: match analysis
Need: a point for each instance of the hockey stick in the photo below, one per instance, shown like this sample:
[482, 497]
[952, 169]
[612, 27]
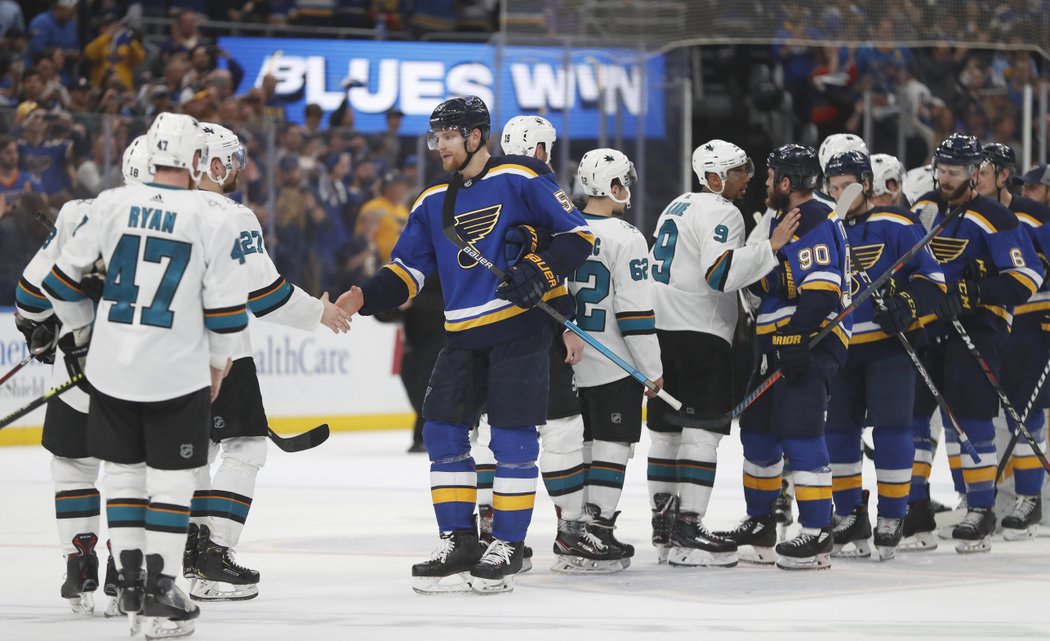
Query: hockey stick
[994, 382]
[449, 224]
[851, 192]
[762, 387]
[1009, 451]
[25, 361]
[54, 392]
[299, 442]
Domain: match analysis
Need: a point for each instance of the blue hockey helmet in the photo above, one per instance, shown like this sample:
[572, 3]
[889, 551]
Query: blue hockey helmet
[797, 163]
[465, 114]
[958, 149]
[1000, 156]
[849, 163]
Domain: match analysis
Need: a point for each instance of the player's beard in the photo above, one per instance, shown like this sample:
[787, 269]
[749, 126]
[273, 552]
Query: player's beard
[230, 185]
[955, 194]
[776, 201]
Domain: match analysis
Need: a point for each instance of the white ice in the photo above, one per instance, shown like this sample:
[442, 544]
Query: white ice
[334, 531]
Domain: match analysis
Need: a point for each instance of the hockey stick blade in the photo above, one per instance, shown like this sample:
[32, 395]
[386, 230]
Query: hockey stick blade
[1003, 400]
[299, 442]
[762, 387]
[448, 223]
[54, 392]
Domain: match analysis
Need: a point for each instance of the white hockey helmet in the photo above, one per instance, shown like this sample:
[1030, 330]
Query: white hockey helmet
[173, 140]
[718, 157]
[522, 134]
[599, 167]
[224, 145]
[917, 182]
[885, 168]
[836, 144]
[135, 162]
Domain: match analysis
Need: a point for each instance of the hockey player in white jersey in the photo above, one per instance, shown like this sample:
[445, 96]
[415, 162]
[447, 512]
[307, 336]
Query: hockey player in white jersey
[221, 504]
[887, 186]
[698, 262]
[74, 472]
[154, 353]
[614, 303]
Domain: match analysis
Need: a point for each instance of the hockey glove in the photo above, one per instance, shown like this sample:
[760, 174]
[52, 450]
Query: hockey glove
[75, 346]
[41, 337]
[962, 298]
[793, 353]
[526, 282]
[979, 269]
[93, 282]
[522, 240]
[899, 314]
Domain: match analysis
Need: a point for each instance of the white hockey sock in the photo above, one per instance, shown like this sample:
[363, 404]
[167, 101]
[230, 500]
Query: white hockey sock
[662, 472]
[77, 501]
[605, 478]
[233, 487]
[125, 488]
[484, 460]
[561, 463]
[168, 515]
[697, 460]
[202, 487]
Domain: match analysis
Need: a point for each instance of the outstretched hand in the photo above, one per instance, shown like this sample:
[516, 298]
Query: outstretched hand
[334, 317]
[351, 301]
[786, 228]
[573, 348]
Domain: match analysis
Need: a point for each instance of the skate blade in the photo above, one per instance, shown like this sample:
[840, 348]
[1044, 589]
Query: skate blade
[1026, 534]
[852, 550]
[492, 586]
[817, 562]
[112, 609]
[887, 552]
[83, 605]
[756, 555]
[452, 584]
[920, 542]
[161, 628]
[569, 564]
[694, 558]
[205, 590]
[973, 547]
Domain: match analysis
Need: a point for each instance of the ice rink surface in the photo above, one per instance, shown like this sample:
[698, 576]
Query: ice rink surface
[334, 531]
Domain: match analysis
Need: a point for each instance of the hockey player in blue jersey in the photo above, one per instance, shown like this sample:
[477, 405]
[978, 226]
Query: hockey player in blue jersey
[876, 386]
[799, 297]
[990, 266]
[1025, 354]
[497, 340]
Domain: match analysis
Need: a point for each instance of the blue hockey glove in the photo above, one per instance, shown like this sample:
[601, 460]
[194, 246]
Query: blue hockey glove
[899, 314]
[527, 281]
[522, 240]
[962, 298]
[793, 352]
[979, 269]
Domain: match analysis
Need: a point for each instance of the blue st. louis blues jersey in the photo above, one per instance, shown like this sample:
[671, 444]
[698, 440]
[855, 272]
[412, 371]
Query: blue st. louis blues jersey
[877, 239]
[1033, 217]
[510, 191]
[807, 289]
[989, 231]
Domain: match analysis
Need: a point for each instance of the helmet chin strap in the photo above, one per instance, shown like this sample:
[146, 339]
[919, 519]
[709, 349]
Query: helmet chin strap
[470, 154]
[626, 202]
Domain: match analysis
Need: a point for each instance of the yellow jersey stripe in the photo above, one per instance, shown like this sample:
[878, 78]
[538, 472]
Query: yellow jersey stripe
[403, 274]
[500, 314]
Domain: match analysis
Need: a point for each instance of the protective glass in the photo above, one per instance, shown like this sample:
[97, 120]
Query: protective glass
[448, 135]
[748, 167]
[238, 158]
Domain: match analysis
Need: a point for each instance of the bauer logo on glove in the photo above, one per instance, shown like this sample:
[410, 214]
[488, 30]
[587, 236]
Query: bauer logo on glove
[527, 281]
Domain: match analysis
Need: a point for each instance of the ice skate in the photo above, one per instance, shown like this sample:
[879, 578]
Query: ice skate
[485, 513]
[1023, 521]
[189, 555]
[694, 546]
[809, 550]
[577, 550]
[110, 587]
[81, 578]
[131, 583]
[888, 534]
[754, 538]
[603, 528]
[975, 532]
[663, 521]
[948, 519]
[494, 573]
[852, 533]
[919, 529]
[217, 576]
[448, 570]
[168, 611]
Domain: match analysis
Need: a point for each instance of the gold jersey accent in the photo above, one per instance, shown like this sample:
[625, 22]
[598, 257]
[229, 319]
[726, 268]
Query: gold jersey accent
[945, 250]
